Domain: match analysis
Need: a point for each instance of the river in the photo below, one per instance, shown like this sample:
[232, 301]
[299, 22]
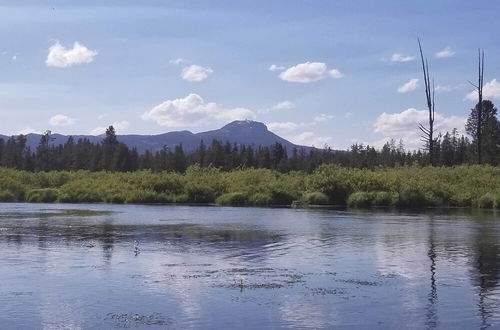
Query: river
[187, 267]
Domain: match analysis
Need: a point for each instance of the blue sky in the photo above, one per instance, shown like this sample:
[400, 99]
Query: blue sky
[150, 67]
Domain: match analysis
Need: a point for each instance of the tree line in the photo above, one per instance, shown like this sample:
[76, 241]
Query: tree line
[111, 155]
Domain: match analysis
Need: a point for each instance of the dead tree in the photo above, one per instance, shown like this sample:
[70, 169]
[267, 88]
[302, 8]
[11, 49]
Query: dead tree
[428, 132]
[479, 88]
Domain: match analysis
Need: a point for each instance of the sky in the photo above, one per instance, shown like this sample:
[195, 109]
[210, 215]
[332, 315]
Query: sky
[315, 72]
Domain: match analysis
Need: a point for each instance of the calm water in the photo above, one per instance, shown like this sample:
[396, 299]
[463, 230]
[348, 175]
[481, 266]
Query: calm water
[172, 267]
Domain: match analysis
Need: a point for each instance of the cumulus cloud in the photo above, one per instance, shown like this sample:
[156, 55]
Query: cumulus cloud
[310, 139]
[192, 110]
[309, 72]
[491, 90]
[322, 118]
[61, 57]
[404, 125]
[348, 115]
[401, 58]
[275, 67]
[409, 86]
[61, 120]
[284, 105]
[282, 127]
[447, 52]
[119, 127]
[196, 73]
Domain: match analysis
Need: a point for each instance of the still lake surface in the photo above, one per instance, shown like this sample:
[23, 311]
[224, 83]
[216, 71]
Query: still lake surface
[181, 267]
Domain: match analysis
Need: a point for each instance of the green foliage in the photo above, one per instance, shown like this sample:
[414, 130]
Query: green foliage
[7, 196]
[405, 187]
[79, 192]
[44, 195]
[232, 199]
[314, 198]
[260, 199]
[200, 193]
[362, 199]
[489, 201]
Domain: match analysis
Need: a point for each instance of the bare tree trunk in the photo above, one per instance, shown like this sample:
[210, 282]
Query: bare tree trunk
[428, 133]
[480, 107]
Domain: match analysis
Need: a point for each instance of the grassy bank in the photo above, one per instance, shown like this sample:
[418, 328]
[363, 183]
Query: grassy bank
[463, 186]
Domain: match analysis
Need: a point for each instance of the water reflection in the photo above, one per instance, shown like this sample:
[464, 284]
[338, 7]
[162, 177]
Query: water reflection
[70, 267]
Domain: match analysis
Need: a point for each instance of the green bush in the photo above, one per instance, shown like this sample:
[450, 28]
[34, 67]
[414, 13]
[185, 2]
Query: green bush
[232, 199]
[315, 198]
[142, 197]
[384, 198]
[281, 197]
[200, 193]
[7, 196]
[488, 201]
[79, 193]
[360, 199]
[44, 195]
[260, 199]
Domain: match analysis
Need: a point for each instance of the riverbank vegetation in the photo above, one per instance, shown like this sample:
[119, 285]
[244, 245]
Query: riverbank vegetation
[402, 187]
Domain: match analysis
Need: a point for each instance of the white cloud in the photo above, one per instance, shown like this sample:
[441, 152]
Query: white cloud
[193, 111]
[196, 73]
[61, 120]
[490, 91]
[404, 125]
[309, 72]
[282, 127]
[27, 131]
[448, 88]
[322, 118]
[284, 105]
[118, 126]
[447, 52]
[348, 115]
[275, 67]
[310, 139]
[409, 86]
[401, 58]
[61, 57]
[13, 58]
[177, 61]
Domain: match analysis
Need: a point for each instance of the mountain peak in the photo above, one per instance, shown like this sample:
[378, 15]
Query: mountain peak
[245, 125]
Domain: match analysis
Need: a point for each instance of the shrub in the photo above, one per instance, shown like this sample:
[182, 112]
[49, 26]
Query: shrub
[141, 196]
[488, 201]
[45, 195]
[412, 197]
[114, 198]
[232, 199]
[384, 198]
[260, 199]
[315, 198]
[281, 197]
[200, 193]
[78, 193]
[169, 183]
[360, 199]
[7, 196]
[363, 199]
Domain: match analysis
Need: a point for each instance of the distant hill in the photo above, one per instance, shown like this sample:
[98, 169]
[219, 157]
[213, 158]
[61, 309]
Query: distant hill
[241, 132]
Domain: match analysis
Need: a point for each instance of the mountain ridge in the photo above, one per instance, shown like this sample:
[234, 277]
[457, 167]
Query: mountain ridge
[240, 132]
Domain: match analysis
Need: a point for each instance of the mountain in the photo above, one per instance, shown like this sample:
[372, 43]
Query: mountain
[241, 132]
